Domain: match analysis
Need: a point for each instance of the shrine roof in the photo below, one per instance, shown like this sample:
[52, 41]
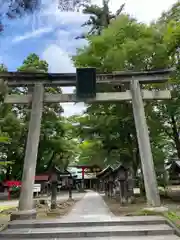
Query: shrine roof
[105, 171]
[44, 176]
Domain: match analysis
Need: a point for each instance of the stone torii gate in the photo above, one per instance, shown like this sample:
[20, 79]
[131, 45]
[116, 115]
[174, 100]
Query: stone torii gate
[41, 80]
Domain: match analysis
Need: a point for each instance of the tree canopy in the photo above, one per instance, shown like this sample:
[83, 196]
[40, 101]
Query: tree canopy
[56, 145]
[127, 45]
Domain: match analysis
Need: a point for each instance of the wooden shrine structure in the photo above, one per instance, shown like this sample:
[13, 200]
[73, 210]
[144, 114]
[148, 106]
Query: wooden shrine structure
[88, 169]
[117, 182]
[44, 178]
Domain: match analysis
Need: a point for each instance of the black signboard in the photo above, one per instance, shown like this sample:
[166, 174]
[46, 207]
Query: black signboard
[85, 83]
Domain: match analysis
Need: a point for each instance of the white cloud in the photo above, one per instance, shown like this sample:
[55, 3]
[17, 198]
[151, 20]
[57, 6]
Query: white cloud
[147, 11]
[52, 15]
[143, 10]
[60, 62]
[4, 7]
[73, 109]
[57, 53]
[66, 39]
[35, 33]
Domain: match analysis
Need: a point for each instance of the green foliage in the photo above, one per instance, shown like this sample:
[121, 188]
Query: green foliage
[33, 63]
[172, 14]
[56, 146]
[3, 139]
[11, 129]
[91, 152]
[3, 87]
[129, 45]
[173, 217]
[134, 46]
[3, 68]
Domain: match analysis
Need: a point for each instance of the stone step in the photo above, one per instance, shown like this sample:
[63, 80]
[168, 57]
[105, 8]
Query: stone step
[93, 232]
[115, 221]
[169, 237]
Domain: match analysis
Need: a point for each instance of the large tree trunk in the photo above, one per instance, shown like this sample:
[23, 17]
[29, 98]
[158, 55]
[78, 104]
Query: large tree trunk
[175, 135]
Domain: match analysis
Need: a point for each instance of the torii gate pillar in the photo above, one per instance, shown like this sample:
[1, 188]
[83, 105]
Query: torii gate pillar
[150, 182]
[26, 209]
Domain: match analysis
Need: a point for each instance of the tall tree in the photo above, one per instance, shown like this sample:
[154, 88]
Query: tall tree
[172, 13]
[124, 45]
[34, 64]
[168, 112]
[51, 126]
[10, 126]
[100, 17]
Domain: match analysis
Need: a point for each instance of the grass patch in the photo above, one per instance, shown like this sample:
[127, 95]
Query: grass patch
[143, 213]
[137, 209]
[3, 208]
[173, 217]
[43, 211]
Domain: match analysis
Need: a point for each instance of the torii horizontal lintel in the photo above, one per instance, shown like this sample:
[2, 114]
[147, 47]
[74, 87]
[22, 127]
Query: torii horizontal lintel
[100, 97]
[69, 79]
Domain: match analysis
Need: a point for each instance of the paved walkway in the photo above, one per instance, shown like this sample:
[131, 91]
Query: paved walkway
[90, 208]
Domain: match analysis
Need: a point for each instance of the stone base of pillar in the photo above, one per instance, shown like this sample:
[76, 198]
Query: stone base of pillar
[23, 215]
[160, 209]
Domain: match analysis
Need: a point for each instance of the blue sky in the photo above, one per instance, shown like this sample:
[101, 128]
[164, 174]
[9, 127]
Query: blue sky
[51, 34]
[35, 33]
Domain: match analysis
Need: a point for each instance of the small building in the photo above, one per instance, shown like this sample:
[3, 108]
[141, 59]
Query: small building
[117, 182]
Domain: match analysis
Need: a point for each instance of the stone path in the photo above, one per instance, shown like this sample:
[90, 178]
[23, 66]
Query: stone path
[90, 208]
